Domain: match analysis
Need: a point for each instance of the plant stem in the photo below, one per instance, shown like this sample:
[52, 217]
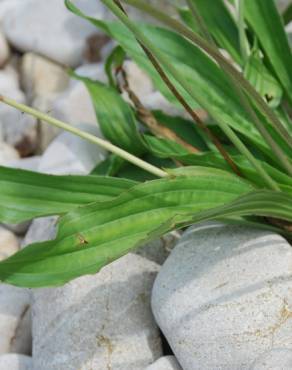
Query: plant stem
[190, 89]
[209, 49]
[85, 135]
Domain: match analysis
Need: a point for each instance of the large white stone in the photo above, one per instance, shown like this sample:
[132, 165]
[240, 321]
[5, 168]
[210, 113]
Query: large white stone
[49, 29]
[41, 77]
[15, 361]
[15, 127]
[69, 154]
[98, 322]
[4, 49]
[276, 359]
[8, 243]
[165, 363]
[15, 326]
[7, 153]
[224, 296]
[30, 163]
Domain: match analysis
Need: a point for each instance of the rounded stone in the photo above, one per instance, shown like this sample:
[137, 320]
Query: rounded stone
[224, 296]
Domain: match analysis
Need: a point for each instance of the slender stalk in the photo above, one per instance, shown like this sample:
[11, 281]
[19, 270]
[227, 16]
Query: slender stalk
[85, 135]
[209, 49]
[189, 88]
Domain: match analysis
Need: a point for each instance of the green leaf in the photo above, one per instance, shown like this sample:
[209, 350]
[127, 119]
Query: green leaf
[109, 167]
[185, 129]
[115, 117]
[213, 88]
[25, 195]
[263, 81]
[221, 25]
[92, 236]
[187, 17]
[263, 17]
[113, 61]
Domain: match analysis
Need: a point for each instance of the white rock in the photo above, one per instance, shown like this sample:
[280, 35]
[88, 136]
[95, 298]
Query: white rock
[276, 359]
[49, 29]
[14, 320]
[165, 363]
[156, 101]
[138, 80]
[69, 154]
[14, 361]
[224, 296]
[8, 243]
[30, 163]
[75, 104]
[4, 49]
[46, 132]
[282, 4]
[98, 322]
[15, 127]
[7, 153]
[41, 76]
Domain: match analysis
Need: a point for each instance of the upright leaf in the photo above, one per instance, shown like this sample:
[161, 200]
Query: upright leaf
[268, 26]
[221, 25]
[116, 119]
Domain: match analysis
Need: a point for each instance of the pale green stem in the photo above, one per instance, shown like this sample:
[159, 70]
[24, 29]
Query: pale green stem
[209, 49]
[85, 135]
[190, 89]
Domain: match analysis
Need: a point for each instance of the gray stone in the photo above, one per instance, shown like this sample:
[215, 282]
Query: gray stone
[224, 296]
[276, 359]
[165, 363]
[158, 250]
[15, 325]
[98, 322]
[15, 361]
[50, 29]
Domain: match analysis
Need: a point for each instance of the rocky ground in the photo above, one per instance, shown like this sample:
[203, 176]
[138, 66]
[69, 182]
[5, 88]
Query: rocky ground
[220, 300]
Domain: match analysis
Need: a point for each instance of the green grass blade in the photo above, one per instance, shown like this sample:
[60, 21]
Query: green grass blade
[266, 22]
[25, 195]
[112, 228]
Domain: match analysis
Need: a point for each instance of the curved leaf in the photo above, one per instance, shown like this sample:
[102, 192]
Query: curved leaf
[214, 91]
[25, 195]
[110, 229]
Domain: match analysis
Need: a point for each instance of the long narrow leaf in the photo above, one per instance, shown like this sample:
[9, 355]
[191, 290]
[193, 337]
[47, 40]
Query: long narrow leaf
[268, 26]
[93, 236]
[25, 195]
